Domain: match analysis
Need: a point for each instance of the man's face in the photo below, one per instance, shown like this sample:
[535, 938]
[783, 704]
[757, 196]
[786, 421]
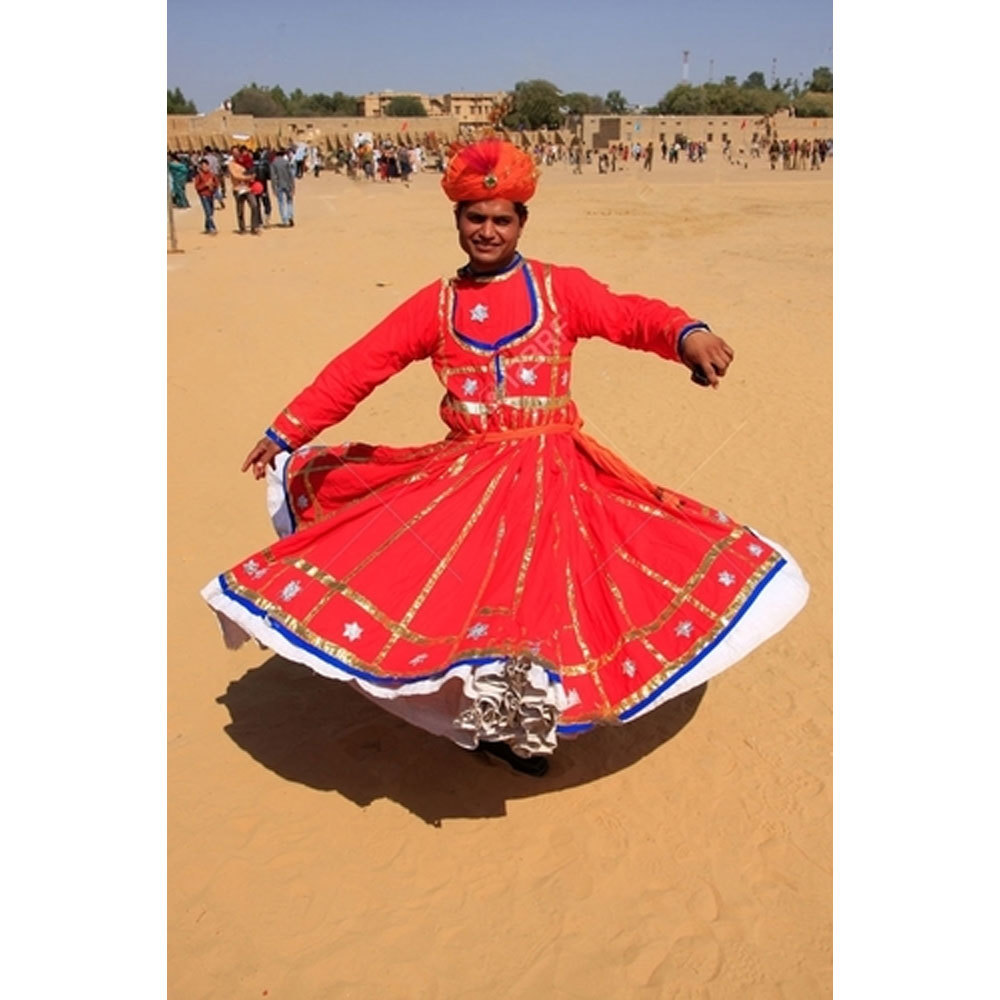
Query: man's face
[488, 232]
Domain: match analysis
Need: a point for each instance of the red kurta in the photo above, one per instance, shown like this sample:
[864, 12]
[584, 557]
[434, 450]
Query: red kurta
[517, 540]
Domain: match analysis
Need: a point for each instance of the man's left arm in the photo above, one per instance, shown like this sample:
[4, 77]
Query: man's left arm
[644, 324]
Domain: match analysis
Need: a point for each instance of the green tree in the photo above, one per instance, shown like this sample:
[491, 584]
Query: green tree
[818, 105]
[729, 81]
[406, 106]
[755, 81]
[682, 100]
[822, 80]
[535, 103]
[257, 101]
[616, 103]
[177, 104]
[576, 103]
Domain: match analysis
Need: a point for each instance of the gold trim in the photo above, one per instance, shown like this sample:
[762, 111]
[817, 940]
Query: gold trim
[336, 586]
[529, 546]
[639, 631]
[443, 563]
[575, 618]
[664, 582]
[671, 666]
[540, 404]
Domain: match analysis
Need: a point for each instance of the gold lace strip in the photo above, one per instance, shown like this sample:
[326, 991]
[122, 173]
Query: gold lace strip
[574, 617]
[444, 562]
[638, 632]
[664, 582]
[398, 533]
[335, 586]
[671, 666]
[483, 583]
[540, 403]
[536, 512]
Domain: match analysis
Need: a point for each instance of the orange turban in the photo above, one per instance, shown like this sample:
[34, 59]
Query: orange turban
[487, 169]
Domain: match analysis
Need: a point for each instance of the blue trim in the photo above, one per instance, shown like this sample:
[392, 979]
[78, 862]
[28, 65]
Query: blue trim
[277, 439]
[628, 713]
[308, 647]
[484, 346]
[577, 727]
[690, 328]
[496, 358]
[288, 499]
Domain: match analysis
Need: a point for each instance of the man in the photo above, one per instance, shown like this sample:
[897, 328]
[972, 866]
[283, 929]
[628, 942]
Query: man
[216, 167]
[262, 174]
[283, 181]
[529, 583]
[242, 176]
[207, 185]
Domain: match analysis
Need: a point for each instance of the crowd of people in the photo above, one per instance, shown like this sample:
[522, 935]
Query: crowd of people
[252, 178]
[263, 179]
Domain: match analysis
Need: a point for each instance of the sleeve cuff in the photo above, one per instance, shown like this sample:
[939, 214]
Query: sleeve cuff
[686, 332]
[278, 439]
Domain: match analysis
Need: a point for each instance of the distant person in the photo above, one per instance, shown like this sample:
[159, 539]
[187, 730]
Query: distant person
[262, 174]
[207, 184]
[215, 166]
[283, 182]
[178, 172]
[242, 178]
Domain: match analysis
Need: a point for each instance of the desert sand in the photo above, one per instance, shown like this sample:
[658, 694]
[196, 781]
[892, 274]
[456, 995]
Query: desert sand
[321, 848]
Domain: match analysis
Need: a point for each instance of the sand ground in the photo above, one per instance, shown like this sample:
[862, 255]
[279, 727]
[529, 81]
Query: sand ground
[320, 848]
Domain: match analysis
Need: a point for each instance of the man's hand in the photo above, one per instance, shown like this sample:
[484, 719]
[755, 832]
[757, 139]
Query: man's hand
[708, 354]
[261, 455]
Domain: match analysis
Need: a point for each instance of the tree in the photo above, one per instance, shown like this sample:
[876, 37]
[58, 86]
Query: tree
[755, 81]
[616, 103]
[257, 101]
[822, 80]
[682, 100]
[534, 104]
[177, 104]
[729, 81]
[406, 106]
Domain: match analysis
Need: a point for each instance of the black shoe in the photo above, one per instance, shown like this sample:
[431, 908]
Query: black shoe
[535, 767]
[291, 222]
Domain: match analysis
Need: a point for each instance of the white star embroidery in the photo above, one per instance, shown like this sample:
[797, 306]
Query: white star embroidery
[726, 579]
[629, 667]
[352, 631]
[251, 567]
[477, 631]
[527, 375]
[684, 629]
[480, 313]
[290, 590]
[721, 518]
[754, 550]
[573, 699]
[418, 659]
[564, 381]
[302, 502]
[469, 386]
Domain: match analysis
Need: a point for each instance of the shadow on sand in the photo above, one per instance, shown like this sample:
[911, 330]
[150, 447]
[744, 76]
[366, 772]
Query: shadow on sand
[323, 734]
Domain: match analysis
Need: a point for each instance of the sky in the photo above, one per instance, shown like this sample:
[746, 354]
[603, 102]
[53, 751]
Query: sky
[433, 47]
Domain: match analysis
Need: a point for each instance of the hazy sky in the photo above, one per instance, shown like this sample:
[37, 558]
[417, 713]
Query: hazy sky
[216, 46]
